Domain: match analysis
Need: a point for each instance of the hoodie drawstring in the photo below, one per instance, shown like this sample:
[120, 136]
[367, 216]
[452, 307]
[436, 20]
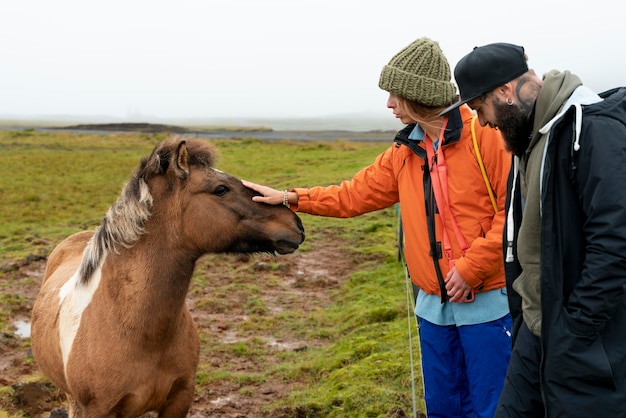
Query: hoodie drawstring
[510, 227]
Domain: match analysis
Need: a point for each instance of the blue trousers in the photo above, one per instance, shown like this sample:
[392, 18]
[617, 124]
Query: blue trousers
[464, 367]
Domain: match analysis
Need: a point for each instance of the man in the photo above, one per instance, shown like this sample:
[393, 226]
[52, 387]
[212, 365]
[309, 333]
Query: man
[566, 256]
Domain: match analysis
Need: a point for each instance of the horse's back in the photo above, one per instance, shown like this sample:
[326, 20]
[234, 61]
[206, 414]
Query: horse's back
[70, 248]
[62, 263]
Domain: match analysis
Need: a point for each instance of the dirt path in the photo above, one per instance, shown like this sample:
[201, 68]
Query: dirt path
[307, 279]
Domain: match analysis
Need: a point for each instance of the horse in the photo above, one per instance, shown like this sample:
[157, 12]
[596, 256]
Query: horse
[110, 327]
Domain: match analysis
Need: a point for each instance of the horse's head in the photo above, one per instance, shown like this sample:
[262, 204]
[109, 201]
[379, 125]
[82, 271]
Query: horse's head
[206, 210]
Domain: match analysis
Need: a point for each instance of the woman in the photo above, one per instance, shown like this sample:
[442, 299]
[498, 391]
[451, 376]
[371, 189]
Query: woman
[433, 171]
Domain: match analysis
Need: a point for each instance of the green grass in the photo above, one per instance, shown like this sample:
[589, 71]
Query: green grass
[54, 184]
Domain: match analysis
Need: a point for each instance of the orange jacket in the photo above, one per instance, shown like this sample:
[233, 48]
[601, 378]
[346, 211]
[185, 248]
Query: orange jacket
[398, 175]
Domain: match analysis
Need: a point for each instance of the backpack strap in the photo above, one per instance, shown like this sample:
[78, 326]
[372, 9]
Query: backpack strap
[481, 165]
[439, 174]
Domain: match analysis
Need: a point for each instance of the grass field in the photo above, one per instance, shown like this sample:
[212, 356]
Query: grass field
[55, 184]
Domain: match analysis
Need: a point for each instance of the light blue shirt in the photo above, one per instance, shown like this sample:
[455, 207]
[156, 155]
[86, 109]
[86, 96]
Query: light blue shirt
[487, 306]
[418, 134]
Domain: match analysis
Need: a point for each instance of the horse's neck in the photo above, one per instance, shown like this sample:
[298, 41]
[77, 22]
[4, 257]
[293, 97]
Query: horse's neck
[147, 284]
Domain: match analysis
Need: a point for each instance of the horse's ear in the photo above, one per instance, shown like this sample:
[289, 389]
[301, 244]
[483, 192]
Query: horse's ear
[182, 160]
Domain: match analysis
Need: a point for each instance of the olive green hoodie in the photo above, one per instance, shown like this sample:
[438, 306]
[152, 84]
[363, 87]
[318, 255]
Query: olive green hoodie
[557, 88]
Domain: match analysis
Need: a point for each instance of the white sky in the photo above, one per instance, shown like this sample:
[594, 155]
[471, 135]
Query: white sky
[271, 58]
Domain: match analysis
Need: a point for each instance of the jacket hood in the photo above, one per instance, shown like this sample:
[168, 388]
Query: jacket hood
[613, 103]
[557, 88]
[609, 102]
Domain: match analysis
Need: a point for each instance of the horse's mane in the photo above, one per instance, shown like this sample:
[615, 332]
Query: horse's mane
[125, 220]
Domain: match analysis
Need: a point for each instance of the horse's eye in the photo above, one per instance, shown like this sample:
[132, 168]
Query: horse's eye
[221, 190]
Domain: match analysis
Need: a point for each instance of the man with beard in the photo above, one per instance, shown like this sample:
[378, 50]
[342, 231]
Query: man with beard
[566, 256]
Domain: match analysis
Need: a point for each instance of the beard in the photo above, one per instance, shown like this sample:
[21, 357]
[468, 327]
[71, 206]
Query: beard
[515, 127]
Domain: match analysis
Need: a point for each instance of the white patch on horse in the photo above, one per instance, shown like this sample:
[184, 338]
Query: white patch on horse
[74, 299]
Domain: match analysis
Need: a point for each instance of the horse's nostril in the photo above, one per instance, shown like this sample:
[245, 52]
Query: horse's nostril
[300, 225]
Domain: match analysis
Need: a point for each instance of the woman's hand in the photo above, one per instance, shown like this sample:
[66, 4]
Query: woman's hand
[458, 289]
[268, 195]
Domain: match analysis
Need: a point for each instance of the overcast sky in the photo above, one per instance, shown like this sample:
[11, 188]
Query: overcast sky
[271, 58]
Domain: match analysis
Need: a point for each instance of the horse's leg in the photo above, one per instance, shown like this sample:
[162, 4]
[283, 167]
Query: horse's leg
[179, 400]
[74, 410]
[175, 409]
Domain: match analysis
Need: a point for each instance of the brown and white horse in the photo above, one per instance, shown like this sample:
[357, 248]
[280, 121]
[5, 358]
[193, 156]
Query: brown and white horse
[110, 326]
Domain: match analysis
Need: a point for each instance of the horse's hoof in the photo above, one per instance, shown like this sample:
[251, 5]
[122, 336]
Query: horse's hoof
[58, 413]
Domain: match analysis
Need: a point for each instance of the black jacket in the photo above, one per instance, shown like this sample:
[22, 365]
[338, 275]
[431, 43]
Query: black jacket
[583, 262]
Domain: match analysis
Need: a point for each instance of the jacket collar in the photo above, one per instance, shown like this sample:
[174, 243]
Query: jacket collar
[455, 127]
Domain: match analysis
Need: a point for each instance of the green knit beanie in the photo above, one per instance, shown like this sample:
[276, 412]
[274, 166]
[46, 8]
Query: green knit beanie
[420, 72]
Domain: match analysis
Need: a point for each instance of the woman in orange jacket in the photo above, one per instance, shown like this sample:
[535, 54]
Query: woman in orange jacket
[452, 227]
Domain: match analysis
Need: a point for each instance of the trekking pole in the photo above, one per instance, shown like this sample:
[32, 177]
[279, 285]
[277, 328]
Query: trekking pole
[410, 307]
[411, 313]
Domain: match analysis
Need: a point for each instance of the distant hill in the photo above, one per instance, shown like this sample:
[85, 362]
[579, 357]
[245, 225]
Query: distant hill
[229, 132]
[346, 122]
[126, 127]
